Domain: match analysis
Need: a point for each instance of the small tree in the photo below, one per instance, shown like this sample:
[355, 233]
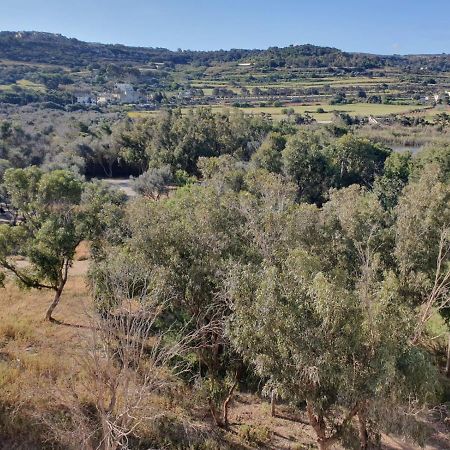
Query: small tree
[305, 162]
[268, 155]
[357, 160]
[129, 359]
[52, 223]
[154, 182]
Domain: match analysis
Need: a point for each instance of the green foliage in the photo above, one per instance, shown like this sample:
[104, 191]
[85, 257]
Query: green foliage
[398, 165]
[50, 230]
[328, 325]
[179, 140]
[357, 160]
[305, 162]
[423, 215]
[438, 155]
[182, 178]
[189, 238]
[154, 182]
[319, 301]
[397, 170]
[54, 220]
[268, 155]
[224, 173]
[103, 213]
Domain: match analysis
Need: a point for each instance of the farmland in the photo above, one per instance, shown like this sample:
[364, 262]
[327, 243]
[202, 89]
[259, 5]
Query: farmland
[355, 109]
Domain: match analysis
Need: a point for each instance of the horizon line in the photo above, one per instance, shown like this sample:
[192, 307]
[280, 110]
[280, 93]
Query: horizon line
[223, 49]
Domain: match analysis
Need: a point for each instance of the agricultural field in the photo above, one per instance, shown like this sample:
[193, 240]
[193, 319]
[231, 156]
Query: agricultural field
[354, 109]
[23, 84]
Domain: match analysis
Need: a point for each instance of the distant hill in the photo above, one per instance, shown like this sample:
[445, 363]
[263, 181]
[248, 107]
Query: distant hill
[39, 47]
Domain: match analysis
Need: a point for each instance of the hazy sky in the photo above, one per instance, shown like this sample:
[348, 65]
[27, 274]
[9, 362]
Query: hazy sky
[377, 26]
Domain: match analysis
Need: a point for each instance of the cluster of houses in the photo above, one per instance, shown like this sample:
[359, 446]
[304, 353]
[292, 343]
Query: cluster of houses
[123, 93]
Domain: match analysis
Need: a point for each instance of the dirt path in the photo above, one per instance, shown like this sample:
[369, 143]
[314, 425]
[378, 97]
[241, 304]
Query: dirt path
[290, 429]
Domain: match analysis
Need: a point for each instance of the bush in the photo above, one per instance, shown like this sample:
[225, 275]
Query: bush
[154, 182]
[254, 434]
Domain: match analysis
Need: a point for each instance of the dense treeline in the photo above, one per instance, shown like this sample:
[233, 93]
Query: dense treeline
[306, 263]
[57, 49]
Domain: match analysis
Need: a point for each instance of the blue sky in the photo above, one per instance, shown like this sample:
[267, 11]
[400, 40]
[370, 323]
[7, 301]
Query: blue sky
[376, 26]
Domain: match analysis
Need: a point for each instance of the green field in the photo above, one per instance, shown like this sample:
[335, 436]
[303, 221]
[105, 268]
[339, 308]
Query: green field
[24, 84]
[355, 109]
[372, 83]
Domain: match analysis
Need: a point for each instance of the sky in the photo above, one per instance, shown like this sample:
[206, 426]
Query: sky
[374, 26]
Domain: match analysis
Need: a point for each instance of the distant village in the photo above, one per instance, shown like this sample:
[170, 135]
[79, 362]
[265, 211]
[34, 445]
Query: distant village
[126, 94]
[123, 93]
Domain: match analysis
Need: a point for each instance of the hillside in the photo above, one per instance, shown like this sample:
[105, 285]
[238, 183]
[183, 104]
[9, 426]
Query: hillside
[48, 48]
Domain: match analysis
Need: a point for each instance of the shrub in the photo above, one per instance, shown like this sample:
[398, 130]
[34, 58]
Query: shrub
[255, 434]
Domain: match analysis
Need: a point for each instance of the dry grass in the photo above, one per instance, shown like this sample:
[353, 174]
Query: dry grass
[35, 356]
[83, 252]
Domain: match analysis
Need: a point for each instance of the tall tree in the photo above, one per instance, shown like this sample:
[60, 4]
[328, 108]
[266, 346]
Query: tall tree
[329, 328]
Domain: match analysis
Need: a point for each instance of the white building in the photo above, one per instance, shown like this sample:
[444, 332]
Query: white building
[104, 99]
[125, 93]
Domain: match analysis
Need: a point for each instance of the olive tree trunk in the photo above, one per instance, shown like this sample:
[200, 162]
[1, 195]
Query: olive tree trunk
[272, 403]
[319, 425]
[227, 402]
